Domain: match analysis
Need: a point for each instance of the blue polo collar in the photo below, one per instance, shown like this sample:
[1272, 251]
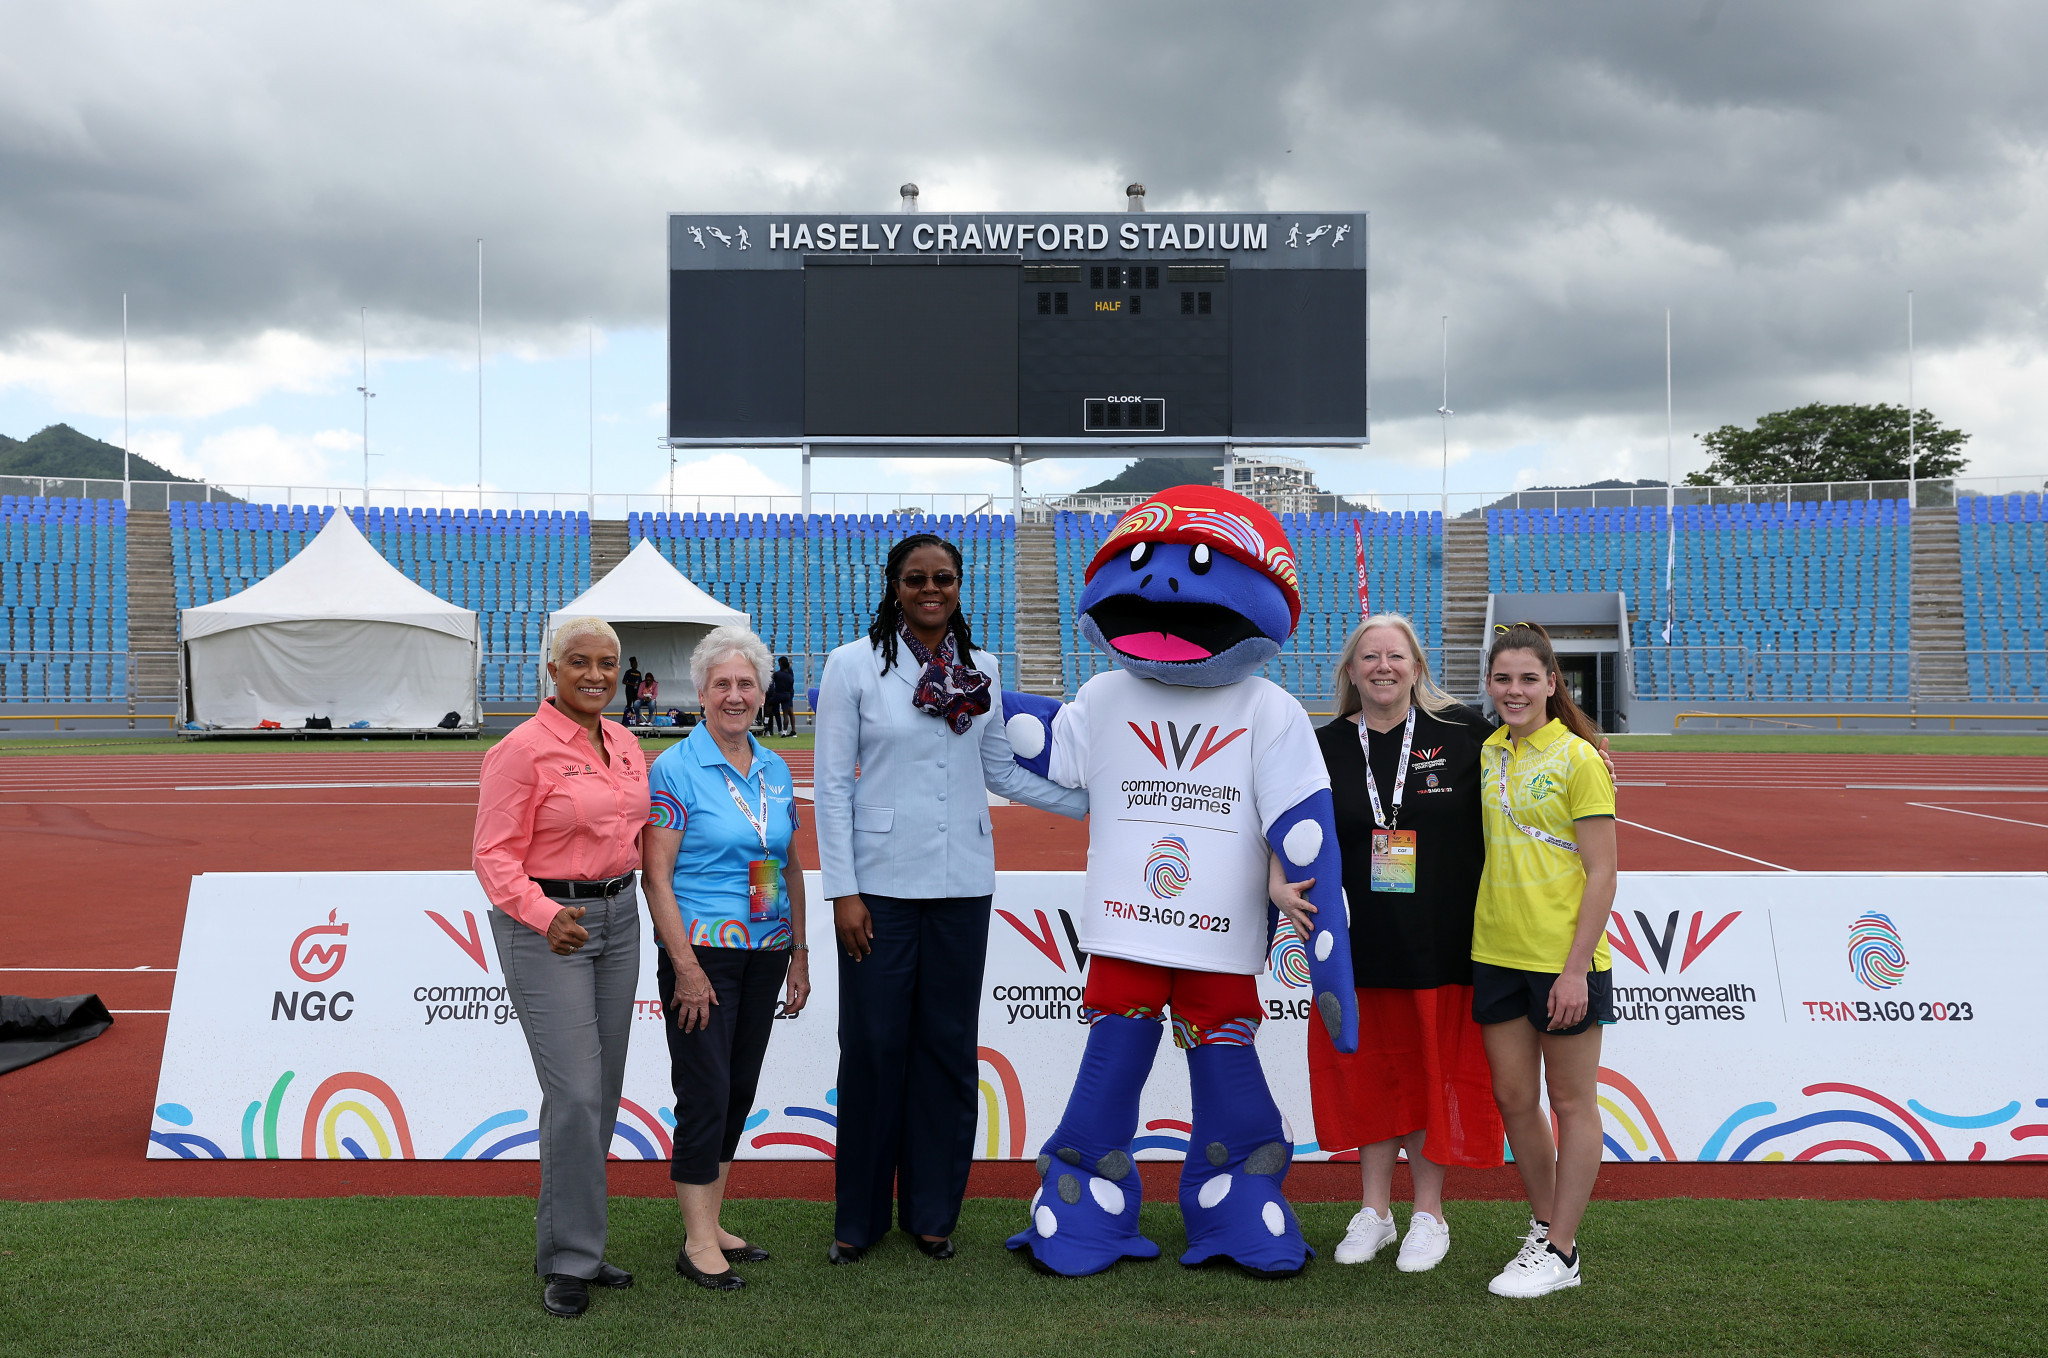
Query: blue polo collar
[710, 756]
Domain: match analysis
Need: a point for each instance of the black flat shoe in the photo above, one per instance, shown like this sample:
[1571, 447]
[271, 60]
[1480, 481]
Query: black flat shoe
[611, 1275]
[747, 1254]
[565, 1296]
[934, 1249]
[727, 1281]
[844, 1254]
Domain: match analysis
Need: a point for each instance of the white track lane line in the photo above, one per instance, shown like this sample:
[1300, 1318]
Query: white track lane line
[1980, 815]
[1704, 845]
[98, 971]
[138, 1011]
[302, 787]
[1941, 787]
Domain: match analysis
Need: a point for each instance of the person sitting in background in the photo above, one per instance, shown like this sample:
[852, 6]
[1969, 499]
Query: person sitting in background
[650, 689]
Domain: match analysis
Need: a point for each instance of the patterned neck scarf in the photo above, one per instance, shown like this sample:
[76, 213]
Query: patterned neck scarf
[953, 692]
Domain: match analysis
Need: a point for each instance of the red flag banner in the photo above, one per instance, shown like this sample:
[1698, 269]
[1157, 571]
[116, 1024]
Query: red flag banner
[1364, 591]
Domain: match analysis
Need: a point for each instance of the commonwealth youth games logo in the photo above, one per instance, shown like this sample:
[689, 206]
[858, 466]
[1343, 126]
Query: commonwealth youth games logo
[1166, 868]
[1876, 953]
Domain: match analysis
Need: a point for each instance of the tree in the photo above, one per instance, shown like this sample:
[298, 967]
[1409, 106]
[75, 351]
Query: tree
[61, 451]
[1151, 474]
[1829, 443]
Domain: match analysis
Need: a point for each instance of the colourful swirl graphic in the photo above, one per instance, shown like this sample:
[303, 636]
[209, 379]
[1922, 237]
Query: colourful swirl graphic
[1235, 528]
[732, 934]
[1166, 870]
[781, 936]
[665, 812]
[1876, 954]
[1287, 957]
[1145, 519]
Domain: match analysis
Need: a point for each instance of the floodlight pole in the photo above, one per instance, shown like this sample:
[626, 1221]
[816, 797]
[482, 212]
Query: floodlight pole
[807, 474]
[590, 387]
[1444, 417]
[127, 487]
[479, 373]
[364, 321]
[1912, 449]
[1017, 482]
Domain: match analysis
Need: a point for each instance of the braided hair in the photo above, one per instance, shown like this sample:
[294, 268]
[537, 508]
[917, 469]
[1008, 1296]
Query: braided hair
[1530, 637]
[889, 613]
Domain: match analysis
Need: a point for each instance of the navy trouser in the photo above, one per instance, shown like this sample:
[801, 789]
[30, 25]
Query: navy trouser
[908, 1069]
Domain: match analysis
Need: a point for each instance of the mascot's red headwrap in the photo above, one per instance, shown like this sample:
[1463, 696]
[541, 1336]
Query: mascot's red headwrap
[1228, 522]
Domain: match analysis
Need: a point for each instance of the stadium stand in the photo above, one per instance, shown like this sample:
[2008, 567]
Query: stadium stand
[64, 599]
[512, 567]
[2004, 542]
[811, 584]
[1404, 561]
[1777, 601]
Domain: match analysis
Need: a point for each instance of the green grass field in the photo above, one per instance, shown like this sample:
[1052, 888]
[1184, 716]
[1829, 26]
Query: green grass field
[437, 1275]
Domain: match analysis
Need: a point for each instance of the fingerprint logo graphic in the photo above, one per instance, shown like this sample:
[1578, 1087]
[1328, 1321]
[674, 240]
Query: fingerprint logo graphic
[1876, 954]
[1287, 956]
[1166, 870]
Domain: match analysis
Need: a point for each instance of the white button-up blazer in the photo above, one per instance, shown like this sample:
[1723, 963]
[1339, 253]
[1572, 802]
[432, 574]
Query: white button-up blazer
[913, 822]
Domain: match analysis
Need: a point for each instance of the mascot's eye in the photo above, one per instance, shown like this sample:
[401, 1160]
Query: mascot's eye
[1199, 559]
[1140, 554]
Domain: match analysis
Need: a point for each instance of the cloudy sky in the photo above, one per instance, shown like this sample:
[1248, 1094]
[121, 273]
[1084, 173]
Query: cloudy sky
[1550, 175]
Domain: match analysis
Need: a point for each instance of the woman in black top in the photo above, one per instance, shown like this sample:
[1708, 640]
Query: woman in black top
[1419, 1079]
[781, 700]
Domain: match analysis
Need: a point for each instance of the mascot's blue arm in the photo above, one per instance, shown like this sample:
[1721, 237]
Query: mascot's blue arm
[1305, 837]
[1022, 713]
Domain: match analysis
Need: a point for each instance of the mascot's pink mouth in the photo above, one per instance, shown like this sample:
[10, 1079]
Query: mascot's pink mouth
[1159, 646]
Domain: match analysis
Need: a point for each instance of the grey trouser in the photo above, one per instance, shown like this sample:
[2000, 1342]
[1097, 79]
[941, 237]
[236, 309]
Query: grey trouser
[577, 1012]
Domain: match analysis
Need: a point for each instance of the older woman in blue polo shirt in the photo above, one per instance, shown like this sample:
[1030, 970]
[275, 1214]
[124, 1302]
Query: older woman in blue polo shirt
[726, 895]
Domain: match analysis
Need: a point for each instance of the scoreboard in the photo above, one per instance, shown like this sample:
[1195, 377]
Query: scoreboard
[1018, 327]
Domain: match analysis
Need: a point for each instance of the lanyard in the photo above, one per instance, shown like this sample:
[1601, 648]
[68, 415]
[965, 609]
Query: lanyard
[1508, 810]
[760, 822]
[1372, 785]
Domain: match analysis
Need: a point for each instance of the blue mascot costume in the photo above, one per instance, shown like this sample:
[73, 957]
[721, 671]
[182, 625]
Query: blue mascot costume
[1196, 768]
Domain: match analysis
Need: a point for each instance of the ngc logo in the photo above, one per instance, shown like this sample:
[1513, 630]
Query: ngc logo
[314, 961]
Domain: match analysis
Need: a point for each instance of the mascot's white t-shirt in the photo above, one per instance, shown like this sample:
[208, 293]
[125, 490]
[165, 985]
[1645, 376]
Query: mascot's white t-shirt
[1183, 784]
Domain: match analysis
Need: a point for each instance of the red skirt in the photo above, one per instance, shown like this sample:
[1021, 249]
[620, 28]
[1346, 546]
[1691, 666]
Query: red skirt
[1420, 1064]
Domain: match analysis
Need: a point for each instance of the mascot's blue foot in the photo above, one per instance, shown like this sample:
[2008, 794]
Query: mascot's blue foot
[1084, 1216]
[1238, 1154]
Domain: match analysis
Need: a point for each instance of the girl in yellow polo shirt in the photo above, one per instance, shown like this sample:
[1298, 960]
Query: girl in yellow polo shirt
[1540, 980]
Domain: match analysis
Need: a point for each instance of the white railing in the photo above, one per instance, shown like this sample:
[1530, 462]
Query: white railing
[1724, 673]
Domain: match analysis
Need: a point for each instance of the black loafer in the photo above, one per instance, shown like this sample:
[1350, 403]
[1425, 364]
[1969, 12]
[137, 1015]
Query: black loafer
[934, 1249]
[747, 1254]
[611, 1275]
[844, 1254]
[565, 1296]
[727, 1281]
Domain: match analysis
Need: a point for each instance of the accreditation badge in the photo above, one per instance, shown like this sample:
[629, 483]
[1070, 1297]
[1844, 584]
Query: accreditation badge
[1393, 860]
[764, 890]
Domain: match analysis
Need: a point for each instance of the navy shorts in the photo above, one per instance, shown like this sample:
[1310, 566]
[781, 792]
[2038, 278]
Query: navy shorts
[1503, 993]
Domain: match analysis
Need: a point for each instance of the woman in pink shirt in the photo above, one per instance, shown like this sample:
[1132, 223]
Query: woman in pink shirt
[560, 809]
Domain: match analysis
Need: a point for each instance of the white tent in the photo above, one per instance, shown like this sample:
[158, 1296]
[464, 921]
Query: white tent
[336, 632]
[659, 616]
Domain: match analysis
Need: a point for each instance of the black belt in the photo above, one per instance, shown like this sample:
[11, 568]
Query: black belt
[556, 890]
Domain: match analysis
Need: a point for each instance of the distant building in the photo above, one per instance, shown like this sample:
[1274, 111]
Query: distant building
[1282, 484]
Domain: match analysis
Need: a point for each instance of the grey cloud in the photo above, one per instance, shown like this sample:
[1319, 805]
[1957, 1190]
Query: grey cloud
[1551, 174]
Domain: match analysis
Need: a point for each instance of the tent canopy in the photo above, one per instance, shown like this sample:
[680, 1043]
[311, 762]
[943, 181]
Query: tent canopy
[659, 614]
[335, 632]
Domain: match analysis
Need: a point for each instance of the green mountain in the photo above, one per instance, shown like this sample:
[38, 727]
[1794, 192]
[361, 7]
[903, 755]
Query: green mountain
[1149, 474]
[61, 451]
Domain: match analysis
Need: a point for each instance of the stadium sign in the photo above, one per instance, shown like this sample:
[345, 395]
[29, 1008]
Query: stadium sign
[1796, 1027]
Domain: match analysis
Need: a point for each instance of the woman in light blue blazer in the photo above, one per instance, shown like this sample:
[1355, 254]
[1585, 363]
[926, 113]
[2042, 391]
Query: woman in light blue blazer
[908, 863]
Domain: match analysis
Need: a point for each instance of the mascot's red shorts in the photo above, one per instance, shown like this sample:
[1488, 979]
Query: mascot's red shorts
[1209, 1007]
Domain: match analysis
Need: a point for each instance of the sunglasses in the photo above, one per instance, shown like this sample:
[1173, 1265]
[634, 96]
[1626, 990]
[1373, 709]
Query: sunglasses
[918, 580]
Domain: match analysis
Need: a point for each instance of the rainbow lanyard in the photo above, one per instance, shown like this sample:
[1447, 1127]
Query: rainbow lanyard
[1540, 836]
[1372, 785]
[760, 822]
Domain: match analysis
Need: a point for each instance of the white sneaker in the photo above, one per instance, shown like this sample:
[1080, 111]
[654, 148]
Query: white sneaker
[1367, 1235]
[1533, 1274]
[1534, 1239]
[1423, 1248]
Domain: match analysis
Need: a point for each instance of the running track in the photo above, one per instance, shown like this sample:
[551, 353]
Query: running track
[100, 850]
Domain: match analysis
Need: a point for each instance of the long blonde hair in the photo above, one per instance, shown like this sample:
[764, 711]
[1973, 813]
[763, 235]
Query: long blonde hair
[1426, 695]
